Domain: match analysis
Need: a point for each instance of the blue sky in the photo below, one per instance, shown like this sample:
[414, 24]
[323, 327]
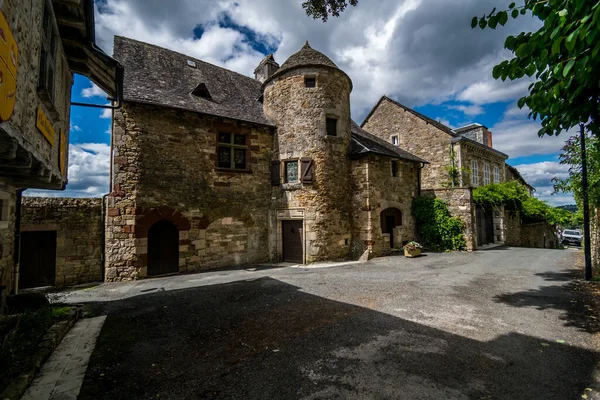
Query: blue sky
[421, 53]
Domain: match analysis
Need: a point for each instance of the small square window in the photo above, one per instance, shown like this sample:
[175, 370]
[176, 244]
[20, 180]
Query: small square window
[394, 169]
[291, 171]
[395, 140]
[310, 82]
[331, 125]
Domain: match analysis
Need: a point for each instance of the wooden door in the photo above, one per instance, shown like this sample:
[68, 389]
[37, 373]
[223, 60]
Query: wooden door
[292, 241]
[489, 225]
[480, 226]
[38, 259]
[163, 248]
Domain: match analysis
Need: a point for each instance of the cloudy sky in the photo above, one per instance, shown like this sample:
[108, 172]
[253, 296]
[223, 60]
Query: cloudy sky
[422, 53]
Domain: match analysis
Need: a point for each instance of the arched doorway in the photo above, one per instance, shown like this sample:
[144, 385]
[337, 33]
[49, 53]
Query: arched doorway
[390, 218]
[163, 248]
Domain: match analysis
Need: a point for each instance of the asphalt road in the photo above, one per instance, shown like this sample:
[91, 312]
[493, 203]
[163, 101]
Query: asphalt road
[496, 324]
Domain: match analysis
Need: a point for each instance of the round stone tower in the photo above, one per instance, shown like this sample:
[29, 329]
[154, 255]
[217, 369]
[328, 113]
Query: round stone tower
[308, 98]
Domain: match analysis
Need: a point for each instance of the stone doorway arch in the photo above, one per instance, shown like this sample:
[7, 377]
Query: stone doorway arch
[390, 218]
[163, 248]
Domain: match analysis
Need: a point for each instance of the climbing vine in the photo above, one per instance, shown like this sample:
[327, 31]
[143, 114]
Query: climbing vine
[515, 196]
[436, 228]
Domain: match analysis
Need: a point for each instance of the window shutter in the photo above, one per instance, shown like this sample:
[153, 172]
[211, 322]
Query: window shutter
[275, 173]
[306, 170]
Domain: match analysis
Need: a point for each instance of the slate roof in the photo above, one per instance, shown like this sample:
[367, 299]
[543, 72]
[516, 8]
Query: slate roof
[468, 128]
[306, 56]
[431, 121]
[363, 143]
[155, 75]
[480, 145]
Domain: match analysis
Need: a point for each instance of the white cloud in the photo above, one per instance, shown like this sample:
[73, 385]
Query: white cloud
[519, 138]
[106, 113]
[93, 91]
[540, 175]
[471, 110]
[75, 128]
[88, 172]
[494, 91]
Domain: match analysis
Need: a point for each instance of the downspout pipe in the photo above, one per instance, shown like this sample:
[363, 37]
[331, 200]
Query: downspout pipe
[17, 240]
[422, 165]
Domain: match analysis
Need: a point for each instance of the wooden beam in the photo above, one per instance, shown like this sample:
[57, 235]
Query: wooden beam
[71, 22]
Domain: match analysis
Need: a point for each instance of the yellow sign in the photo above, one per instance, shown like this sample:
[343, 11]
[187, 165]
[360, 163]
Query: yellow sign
[45, 126]
[8, 70]
[63, 153]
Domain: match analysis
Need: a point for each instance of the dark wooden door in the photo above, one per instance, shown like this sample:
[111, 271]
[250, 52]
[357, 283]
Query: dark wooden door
[390, 223]
[163, 248]
[480, 226]
[292, 241]
[489, 225]
[38, 259]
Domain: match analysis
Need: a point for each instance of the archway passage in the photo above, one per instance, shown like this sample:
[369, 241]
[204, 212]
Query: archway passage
[390, 218]
[163, 248]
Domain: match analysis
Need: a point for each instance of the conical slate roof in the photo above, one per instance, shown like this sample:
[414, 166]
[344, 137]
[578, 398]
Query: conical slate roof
[307, 56]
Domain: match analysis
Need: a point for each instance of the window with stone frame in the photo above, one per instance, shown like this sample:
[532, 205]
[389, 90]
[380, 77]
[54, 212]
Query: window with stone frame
[290, 171]
[232, 151]
[310, 81]
[395, 140]
[474, 172]
[46, 82]
[331, 126]
[496, 174]
[486, 174]
[4, 204]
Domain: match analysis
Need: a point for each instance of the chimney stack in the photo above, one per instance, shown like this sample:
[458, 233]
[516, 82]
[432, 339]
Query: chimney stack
[266, 68]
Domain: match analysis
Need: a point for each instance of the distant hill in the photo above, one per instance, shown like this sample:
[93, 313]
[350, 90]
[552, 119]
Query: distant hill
[569, 207]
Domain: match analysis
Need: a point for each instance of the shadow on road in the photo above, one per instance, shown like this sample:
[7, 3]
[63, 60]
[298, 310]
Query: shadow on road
[569, 298]
[265, 339]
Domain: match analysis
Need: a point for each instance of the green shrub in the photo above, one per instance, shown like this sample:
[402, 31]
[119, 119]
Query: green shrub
[437, 229]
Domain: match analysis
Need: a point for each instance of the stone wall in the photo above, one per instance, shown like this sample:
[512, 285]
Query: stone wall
[416, 136]
[164, 167]
[78, 225]
[460, 205]
[375, 189]
[325, 203]
[535, 235]
[7, 236]
[25, 20]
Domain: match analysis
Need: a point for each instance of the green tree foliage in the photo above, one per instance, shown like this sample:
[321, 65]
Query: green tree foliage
[437, 229]
[571, 156]
[564, 57]
[515, 196]
[322, 9]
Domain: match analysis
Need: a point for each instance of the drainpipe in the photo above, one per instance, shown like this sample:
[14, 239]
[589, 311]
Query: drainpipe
[17, 249]
[103, 236]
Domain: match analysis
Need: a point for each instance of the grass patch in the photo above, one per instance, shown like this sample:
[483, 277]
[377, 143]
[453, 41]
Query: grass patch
[18, 348]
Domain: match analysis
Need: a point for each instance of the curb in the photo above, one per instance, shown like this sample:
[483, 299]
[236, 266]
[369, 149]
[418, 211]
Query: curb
[51, 340]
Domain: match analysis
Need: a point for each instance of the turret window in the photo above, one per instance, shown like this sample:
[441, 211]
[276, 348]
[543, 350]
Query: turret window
[310, 81]
[331, 126]
[291, 171]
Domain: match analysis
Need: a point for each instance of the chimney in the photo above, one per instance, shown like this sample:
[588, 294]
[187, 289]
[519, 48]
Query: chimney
[266, 69]
[488, 138]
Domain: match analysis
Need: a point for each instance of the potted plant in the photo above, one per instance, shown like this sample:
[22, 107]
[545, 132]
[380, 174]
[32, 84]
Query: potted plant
[412, 249]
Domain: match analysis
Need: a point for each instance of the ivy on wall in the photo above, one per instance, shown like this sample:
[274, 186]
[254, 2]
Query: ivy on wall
[436, 228]
[515, 196]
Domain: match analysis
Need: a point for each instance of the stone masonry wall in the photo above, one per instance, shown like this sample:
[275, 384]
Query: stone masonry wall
[415, 136]
[375, 189]
[164, 167]
[78, 225]
[512, 224]
[7, 236]
[25, 20]
[324, 204]
[538, 235]
[460, 204]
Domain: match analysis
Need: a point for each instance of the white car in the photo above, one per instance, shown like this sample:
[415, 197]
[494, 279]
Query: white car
[572, 236]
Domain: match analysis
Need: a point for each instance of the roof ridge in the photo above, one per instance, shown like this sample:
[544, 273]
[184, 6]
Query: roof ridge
[424, 117]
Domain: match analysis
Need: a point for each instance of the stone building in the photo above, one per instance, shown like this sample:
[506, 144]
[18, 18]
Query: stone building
[211, 168]
[42, 44]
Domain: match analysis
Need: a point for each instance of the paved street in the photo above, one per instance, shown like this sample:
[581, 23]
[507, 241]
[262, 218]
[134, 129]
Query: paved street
[496, 324]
